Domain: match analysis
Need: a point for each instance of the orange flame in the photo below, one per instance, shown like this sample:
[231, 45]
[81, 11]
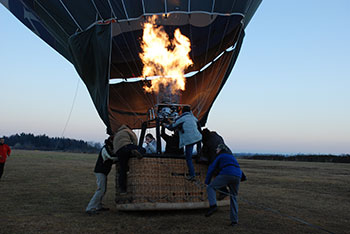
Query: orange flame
[164, 58]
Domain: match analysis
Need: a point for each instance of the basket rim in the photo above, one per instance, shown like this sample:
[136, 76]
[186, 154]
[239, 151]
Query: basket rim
[168, 206]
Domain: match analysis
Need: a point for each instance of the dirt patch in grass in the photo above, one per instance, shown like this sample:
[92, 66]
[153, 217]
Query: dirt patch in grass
[47, 192]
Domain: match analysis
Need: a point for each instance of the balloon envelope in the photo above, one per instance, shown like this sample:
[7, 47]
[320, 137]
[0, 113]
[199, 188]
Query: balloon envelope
[102, 40]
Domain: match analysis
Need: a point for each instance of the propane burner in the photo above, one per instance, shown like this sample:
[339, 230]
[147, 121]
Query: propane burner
[165, 111]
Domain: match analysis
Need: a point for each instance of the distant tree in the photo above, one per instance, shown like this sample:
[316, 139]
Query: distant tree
[42, 142]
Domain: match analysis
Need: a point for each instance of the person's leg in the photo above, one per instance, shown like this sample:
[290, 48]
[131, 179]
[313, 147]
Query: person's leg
[223, 192]
[104, 188]
[219, 182]
[189, 150]
[234, 186]
[123, 155]
[1, 169]
[95, 202]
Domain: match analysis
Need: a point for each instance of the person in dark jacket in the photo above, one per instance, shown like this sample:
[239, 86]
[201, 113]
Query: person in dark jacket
[172, 142]
[229, 175]
[210, 140]
[102, 168]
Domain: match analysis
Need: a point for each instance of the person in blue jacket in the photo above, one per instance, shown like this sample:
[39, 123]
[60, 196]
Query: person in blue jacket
[229, 175]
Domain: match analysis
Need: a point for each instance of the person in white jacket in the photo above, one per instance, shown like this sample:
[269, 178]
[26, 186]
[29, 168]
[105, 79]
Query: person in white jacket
[189, 136]
[151, 144]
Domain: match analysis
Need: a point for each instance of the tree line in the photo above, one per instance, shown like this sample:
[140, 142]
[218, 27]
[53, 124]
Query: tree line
[345, 158]
[28, 141]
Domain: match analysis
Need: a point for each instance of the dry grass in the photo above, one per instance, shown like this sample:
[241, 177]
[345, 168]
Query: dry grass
[46, 192]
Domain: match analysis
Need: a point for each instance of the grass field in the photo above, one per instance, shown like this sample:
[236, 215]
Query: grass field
[47, 192]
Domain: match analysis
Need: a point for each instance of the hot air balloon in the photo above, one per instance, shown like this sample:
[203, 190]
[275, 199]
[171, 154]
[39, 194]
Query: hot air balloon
[102, 39]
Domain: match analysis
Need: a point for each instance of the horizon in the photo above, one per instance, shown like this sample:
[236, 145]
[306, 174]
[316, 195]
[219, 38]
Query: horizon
[163, 147]
[288, 91]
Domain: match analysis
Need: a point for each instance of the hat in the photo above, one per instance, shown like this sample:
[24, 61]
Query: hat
[223, 147]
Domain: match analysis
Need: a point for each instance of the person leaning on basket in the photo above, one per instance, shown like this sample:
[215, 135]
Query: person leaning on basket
[102, 168]
[229, 175]
[189, 135]
[125, 146]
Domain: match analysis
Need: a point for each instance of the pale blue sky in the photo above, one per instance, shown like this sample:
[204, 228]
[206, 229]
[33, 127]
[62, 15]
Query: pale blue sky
[288, 92]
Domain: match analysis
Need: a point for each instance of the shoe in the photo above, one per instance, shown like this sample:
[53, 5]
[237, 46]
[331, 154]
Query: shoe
[233, 224]
[136, 153]
[212, 210]
[190, 178]
[92, 212]
[103, 209]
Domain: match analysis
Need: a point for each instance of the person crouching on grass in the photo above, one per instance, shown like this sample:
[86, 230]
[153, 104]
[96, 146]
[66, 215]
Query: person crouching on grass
[102, 168]
[229, 175]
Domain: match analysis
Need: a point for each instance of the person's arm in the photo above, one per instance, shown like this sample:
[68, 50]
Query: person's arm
[211, 169]
[153, 146]
[177, 122]
[164, 135]
[133, 136]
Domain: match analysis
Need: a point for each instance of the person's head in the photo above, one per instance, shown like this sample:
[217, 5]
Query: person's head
[186, 109]
[205, 133]
[149, 138]
[2, 140]
[222, 148]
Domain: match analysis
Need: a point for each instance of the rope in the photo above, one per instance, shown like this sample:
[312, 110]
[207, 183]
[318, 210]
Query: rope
[205, 62]
[52, 18]
[213, 81]
[70, 14]
[70, 113]
[285, 215]
[201, 185]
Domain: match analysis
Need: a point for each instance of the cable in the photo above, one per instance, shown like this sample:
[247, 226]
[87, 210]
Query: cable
[201, 185]
[70, 113]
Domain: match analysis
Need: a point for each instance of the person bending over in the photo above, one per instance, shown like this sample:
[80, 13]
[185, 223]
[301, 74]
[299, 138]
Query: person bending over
[125, 146]
[229, 175]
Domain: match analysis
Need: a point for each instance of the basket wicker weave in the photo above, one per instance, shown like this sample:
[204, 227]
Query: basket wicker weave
[159, 183]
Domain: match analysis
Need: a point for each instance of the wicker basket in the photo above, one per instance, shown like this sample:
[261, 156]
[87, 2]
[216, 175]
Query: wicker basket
[155, 183]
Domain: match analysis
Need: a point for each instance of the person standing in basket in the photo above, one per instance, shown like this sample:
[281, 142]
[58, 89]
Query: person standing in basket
[151, 144]
[189, 135]
[172, 142]
[229, 175]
